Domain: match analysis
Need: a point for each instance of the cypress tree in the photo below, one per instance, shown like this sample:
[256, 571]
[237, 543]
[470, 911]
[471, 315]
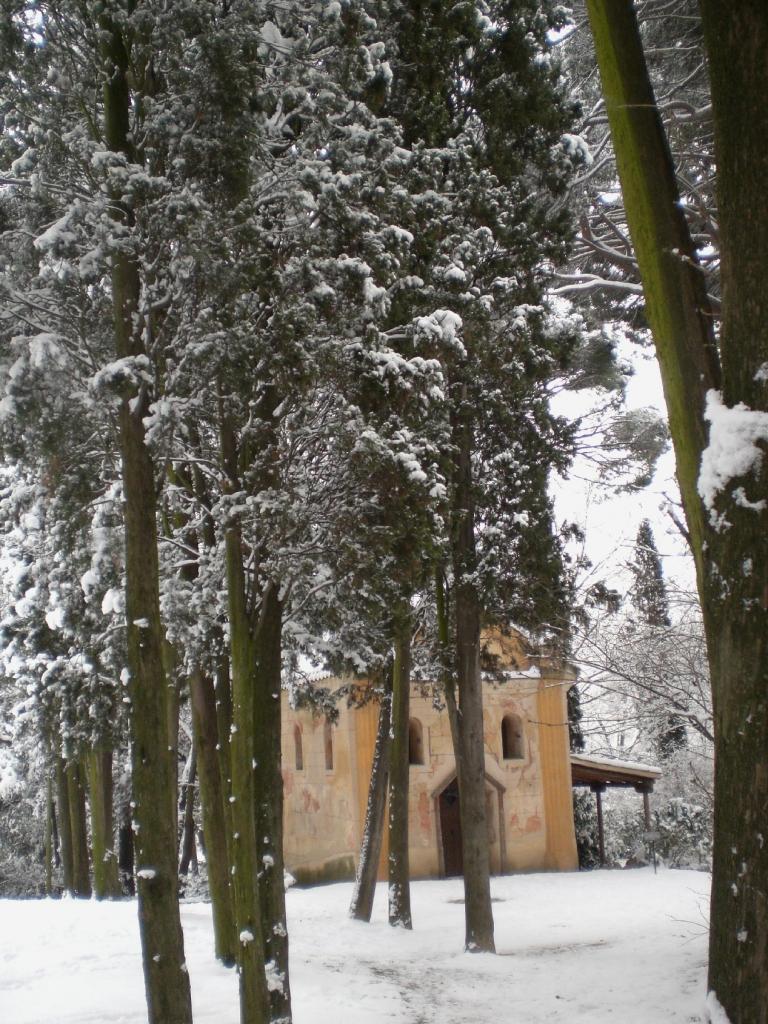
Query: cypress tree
[649, 593]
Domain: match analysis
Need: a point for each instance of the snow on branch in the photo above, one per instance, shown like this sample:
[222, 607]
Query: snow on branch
[591, 282]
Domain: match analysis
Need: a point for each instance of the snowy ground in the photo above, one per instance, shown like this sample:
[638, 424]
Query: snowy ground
[605, 947]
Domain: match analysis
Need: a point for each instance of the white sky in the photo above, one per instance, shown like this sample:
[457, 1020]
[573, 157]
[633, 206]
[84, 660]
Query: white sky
[611, 521]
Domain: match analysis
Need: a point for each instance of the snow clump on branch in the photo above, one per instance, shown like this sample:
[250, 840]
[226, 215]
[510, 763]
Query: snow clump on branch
[733, 449]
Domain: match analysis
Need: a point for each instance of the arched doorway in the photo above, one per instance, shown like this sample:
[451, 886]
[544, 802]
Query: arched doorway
[450, 858]
[450, 830]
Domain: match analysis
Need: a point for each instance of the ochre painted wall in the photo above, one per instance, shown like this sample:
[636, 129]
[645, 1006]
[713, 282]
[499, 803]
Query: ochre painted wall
[528, 798]
[321, 816]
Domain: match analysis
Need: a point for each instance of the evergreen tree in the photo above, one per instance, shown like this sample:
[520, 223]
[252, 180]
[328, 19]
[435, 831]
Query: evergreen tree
[649, 597]
[484, 213]
[576, 741]
[649, 593]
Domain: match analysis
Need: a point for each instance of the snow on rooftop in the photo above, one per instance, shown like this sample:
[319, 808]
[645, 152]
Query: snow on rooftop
[615, 764]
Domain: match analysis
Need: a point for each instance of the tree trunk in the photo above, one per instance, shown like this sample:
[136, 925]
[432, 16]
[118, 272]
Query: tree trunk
[223, 698]
[373, 830]
[732, 559]
[736, 597]
[188, 857]
[153, 769]
[50, 813]
[170, 663]
[81, 876]
[106, 884]
[254, 995]
[399, 771]
[470, 754]
[65, 826]
[125, 860]
[215, 825]
[447, 674]
[269, 800]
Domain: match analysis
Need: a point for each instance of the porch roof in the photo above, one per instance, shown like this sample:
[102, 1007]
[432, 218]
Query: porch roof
[607, 771]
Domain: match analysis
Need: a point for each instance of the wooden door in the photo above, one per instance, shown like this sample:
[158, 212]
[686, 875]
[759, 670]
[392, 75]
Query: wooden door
[450, 830]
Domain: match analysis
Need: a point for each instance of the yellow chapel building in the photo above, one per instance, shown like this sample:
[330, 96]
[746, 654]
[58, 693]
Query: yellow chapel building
[529, 807]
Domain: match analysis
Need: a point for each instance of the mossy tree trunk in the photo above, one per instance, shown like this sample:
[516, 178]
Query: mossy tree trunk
[256, 617]
[245, 852]
[81, 874]
[732, 558]
[223, 696]
[254, 994]
[361, 905]
[267, 729]
[399, 771]
[106, 883]
[153, 768]
[171, 662]
[211, 720]
[470, 752]
[214, 814]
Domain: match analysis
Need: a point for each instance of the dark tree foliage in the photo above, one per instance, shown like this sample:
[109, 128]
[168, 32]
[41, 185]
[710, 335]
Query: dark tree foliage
[649, 593]
[650, 599]
[576, 739]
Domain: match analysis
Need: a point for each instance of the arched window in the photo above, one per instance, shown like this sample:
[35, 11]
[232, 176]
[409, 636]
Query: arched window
[328, 739]
[415, 742]
[512, 738]
[299, 751]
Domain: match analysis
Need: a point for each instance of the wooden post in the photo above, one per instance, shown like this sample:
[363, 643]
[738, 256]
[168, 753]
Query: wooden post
[647, 808]
[598, 789]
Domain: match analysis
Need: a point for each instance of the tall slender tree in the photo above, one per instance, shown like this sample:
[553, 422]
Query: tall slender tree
[719, 421]
[478, 189]
[649, 593]
[649, 597]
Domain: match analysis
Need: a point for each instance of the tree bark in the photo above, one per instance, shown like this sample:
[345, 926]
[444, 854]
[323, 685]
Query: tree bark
[214, 814]
[188, 857]
[256, 668]
[223, 695]
[254, 995]
[361, 905]
[125, 852]
[170, 662]
[448, 677]
[736, 595]
[269, 800]
[153, 769]
[470, 753]
[50, 813]
[81, 875]
[106, 884]
[65, 825]
[399, 771]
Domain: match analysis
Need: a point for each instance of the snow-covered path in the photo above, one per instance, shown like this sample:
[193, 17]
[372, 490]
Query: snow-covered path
[595, 948]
